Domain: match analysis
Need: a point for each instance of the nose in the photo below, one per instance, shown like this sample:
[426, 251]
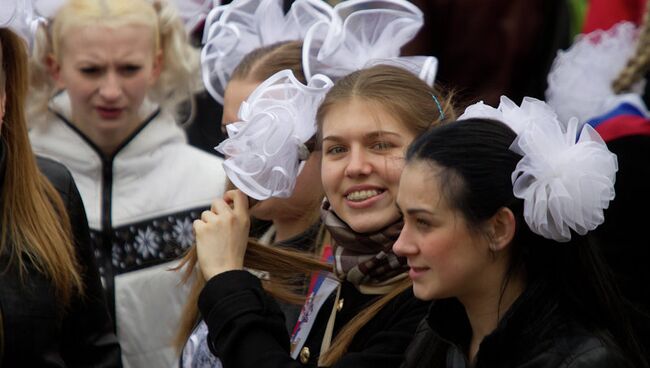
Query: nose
[111, 89]
[404, 246]
[358, 164]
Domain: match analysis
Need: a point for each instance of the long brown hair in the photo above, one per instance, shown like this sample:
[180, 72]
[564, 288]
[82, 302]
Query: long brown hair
[413, 103]
[639, 63]
[36, 228]
[255, 66]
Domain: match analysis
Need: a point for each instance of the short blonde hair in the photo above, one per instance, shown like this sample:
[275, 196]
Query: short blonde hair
[180, 76]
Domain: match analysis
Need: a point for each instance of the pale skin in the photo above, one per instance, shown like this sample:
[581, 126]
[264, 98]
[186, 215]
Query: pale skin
[370, 156]
[107, 72]
[448, 260]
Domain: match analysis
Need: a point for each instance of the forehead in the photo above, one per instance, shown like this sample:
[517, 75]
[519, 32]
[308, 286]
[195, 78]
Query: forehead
[237, 91]
[101, 42]
[420, 185]
[357, 117]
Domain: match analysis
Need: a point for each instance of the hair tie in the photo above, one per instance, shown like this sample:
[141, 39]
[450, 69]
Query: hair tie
[442, 114]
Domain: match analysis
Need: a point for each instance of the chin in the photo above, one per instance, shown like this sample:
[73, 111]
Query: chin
[365, 227]
[422, 293]
[370, 221]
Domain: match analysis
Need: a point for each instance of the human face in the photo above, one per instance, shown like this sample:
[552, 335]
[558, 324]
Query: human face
[237, 91]
[446, 259]
[363, 157]
[107, 72]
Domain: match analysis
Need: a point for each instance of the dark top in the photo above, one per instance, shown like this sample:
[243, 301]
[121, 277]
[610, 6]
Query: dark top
[305, 242]
[247, 329]
[534, 333]
[37, 331]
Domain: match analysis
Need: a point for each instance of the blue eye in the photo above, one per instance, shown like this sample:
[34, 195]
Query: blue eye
[335, 150]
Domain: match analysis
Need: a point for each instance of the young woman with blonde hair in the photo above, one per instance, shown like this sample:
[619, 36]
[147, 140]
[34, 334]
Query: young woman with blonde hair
[52, 305]
[107, 78]
[365, 123]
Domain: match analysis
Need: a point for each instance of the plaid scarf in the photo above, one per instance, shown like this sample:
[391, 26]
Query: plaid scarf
[365, 260]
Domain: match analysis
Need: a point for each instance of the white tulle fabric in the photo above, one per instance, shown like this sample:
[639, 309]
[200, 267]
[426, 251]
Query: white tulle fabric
[233, 30]
[566, 175]
[580, 80]
[263, 149]
[360, 33]
[531, 111]
[194, 12]
[21, 17]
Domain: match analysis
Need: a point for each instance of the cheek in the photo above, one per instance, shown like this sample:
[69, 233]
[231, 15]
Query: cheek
[78, 87]
[329, 176]
[137, 88]
[392, 170]
[438, 251]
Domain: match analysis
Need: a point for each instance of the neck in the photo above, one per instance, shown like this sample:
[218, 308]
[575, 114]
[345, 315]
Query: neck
[485, 311]
[287, 228]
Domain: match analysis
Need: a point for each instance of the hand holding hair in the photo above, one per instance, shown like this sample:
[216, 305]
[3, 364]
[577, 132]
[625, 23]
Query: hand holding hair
[222, 234]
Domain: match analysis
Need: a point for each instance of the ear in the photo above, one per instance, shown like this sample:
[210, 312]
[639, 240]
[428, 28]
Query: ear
[157, 67]
[502, 229]
[54, 70]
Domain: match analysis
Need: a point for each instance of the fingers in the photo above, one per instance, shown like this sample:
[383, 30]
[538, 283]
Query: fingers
[208, 216]
[240, 202]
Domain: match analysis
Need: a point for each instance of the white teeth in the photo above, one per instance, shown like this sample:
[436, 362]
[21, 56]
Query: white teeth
[361, 195]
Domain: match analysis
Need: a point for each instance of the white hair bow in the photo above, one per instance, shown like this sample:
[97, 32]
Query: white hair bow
[566, 175]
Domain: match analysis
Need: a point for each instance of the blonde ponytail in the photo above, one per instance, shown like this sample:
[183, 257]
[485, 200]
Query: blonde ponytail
[639, 63]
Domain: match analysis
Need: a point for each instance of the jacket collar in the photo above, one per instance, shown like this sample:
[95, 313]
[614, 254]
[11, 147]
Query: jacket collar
[57, 134]
[517, 334]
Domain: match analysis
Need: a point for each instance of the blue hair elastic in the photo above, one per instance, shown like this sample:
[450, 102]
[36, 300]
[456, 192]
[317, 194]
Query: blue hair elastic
[442, 114]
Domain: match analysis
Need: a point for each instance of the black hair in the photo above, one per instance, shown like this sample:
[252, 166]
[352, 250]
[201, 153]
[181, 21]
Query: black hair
[475, 165]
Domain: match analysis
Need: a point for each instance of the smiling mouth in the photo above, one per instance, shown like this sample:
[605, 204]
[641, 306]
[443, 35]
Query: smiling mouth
[362, 195]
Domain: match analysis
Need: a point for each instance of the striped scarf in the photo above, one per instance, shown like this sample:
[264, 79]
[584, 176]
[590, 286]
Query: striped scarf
[365, 260]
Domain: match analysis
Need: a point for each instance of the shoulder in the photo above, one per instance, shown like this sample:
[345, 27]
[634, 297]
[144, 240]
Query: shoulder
[589, 351]
[56, 173]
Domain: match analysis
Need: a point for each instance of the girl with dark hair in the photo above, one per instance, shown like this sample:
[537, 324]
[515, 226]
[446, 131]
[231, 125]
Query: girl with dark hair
[495, 222]
[366, 122]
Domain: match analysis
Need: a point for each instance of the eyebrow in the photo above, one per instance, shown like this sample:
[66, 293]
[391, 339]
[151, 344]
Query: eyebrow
[413, 211]
[370, 135]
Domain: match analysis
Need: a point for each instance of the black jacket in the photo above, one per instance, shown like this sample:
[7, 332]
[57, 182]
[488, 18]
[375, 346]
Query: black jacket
[246, 327]
[534, 333]
[37, 331]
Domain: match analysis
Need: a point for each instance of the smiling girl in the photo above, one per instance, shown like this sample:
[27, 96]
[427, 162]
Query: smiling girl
[366, 122]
